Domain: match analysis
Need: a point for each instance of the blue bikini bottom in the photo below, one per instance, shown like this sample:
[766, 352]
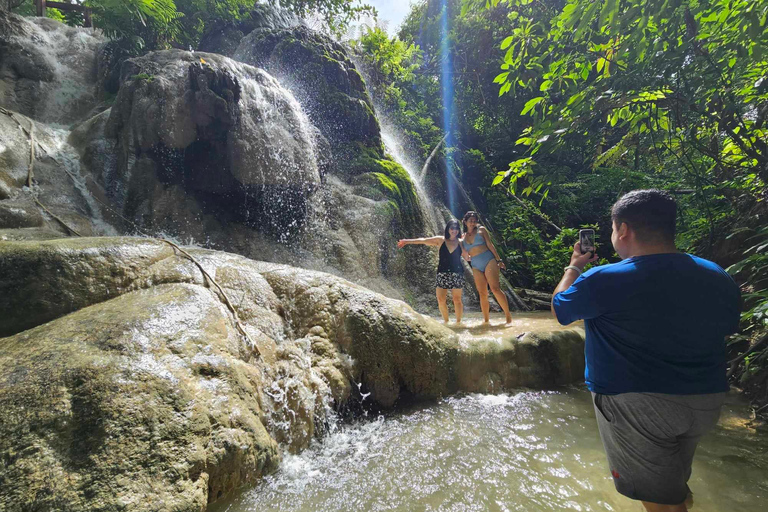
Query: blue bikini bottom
[481, 260]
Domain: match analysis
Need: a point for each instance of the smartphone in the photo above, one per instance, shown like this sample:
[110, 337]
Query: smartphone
[587, 240]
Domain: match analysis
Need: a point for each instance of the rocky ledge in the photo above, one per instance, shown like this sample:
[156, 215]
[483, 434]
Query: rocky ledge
[126, 382]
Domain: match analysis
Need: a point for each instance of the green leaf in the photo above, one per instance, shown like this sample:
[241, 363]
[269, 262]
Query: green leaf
[530, 104]
[506, 42]
[585, 71]
[501, 78]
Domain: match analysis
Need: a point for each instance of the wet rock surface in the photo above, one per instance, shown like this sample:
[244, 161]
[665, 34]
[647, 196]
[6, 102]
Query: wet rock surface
[38, 76]
[125, 385]
[206, 149]
[319, 72]
[225, 38]
[58, 187]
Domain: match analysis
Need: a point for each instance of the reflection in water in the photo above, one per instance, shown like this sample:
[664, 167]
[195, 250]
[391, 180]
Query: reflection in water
[472, 325]
[530, 451]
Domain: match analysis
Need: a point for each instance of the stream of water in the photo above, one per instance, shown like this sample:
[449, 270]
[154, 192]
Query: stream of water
[525, 451]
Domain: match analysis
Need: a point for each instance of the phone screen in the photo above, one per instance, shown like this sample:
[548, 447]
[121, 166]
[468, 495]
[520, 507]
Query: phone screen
[587, 240]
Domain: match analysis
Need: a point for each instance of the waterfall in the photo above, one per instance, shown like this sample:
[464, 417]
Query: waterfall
[397, 150]
[59, 87]
[66, 156]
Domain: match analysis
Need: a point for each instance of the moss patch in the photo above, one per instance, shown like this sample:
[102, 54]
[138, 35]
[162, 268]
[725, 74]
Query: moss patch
[390, 179]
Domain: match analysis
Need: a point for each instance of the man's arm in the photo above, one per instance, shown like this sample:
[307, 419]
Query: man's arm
[579, 261]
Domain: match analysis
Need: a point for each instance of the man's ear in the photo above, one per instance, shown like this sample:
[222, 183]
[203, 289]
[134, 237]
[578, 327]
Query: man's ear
[623, 231]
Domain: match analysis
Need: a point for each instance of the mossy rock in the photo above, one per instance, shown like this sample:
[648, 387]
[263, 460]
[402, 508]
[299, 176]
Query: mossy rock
[389, 179]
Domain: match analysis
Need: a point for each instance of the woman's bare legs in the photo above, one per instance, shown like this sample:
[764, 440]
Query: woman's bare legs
[492, 275]
[482, 290]
[457, 304]
[442, 295]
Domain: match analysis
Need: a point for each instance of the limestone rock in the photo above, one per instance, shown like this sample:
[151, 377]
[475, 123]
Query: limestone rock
[225, 38]
[195, 128]
[125, 385]
[138, 403]
[38, 75]
[323, 78]
[57, 181]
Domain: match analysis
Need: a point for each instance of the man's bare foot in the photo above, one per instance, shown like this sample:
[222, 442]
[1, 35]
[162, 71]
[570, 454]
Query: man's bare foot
[509, 319]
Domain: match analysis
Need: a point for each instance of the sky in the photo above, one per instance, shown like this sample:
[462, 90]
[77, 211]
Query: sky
[392, 10]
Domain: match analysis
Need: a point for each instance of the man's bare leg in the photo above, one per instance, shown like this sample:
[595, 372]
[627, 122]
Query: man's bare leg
[655, 507]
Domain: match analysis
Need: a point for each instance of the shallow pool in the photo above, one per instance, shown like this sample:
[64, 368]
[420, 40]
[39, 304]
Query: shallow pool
[526, 451]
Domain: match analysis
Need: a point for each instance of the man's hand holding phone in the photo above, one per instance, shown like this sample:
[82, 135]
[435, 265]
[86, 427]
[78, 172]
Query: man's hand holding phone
[579, 259]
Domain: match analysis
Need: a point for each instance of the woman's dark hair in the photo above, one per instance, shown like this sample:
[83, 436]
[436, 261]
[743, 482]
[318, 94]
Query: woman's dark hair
[452, 223]
[651, 213]
[469, 215]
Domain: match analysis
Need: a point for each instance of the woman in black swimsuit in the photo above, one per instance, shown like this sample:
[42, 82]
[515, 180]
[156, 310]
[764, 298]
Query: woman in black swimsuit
[450, 273]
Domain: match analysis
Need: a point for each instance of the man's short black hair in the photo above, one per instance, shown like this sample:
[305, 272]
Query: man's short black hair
[651, 213]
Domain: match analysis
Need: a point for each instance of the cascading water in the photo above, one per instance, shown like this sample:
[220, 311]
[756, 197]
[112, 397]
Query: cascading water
[299, 404]
[64, 154]
[58, 88]
[527, 452]
[399, 153]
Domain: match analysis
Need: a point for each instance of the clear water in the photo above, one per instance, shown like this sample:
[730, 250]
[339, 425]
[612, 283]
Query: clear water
[528, 451]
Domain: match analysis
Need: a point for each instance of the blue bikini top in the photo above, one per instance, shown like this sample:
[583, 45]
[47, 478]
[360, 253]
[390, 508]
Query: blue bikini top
[475, 243]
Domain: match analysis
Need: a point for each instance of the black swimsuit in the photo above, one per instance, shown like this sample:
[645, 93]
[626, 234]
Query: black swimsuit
[450, 272]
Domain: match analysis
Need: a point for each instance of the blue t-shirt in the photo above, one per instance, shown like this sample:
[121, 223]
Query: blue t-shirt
[654, 324]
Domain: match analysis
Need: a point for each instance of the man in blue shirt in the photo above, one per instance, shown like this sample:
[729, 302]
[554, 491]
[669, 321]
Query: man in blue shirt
[655, 325]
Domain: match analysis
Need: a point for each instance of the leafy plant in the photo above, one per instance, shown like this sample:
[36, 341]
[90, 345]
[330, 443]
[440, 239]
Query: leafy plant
[753, 269]
[684, 79]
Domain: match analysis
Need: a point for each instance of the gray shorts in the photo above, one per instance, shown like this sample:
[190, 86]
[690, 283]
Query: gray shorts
[650, 439]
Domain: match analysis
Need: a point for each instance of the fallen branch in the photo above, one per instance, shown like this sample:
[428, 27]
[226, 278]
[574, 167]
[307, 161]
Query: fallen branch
[227, 302]
[58, 219]
[431, 156]
[30, 171]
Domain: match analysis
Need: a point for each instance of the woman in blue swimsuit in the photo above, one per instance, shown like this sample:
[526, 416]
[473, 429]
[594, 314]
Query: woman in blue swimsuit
[485, 263]
[450, 272]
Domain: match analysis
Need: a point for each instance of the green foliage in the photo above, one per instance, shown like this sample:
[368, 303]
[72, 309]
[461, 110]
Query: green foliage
[143, 76]
[683, 79]
[753, 271]
[156, 22]
[672, 94]
[337, 14]
[55, 14]
[392, 68]
[165, 23]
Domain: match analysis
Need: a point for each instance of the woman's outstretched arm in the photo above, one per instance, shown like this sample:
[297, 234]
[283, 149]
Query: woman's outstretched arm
[484, 233]
[432, 240]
